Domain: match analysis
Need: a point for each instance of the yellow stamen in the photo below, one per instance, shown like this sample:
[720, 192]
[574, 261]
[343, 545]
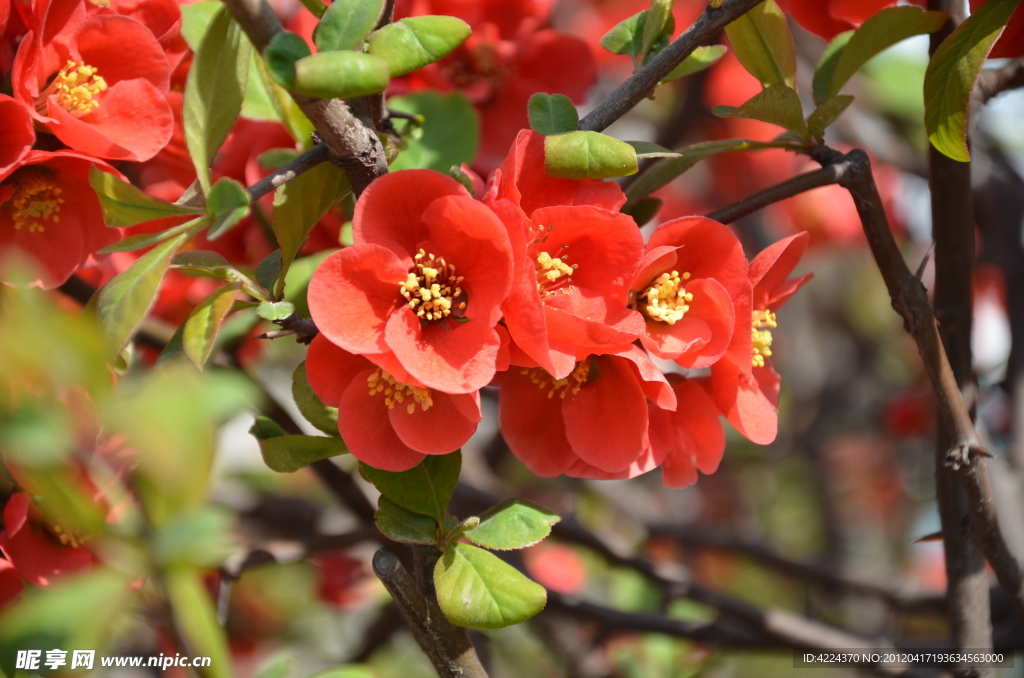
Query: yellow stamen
[570, 385]
[396, 393]
[666, 299]
[36, 199]
[76, 87]
[432, 288]
[552, 272]
[67, 537]
[761, 338]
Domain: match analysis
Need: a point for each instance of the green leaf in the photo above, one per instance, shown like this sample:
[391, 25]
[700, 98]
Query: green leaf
[425, 489]
[700, 59]
[277, 310]
[450, 134]
[658, 17]
[646, 149]
[281, 665]
[312, 408]
[552, 114]
[289, 453]
[403, 525]
[778, 105]
[125, 300]
[269, 270]
[201, 538]
[195, 20]
[195, 615]
[346, 23]
[200, 330]
[227, 204]
[280, 55]
[627, 37]
[663, 172]
[258, 103]
[125, 205]
[825, 114]
[214, 91]
[643, 210]
[276, 158]
[201, 259]
[763, 44]
[587, 155]
[513, 524]
[477, 589]
[141, 240]
[952, 72]
[340, 75]
[301, 202]
[214, 265]
[879, 32]
[827, 66]
[415, 42]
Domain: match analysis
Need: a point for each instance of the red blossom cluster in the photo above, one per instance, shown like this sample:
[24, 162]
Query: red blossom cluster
[545, 288]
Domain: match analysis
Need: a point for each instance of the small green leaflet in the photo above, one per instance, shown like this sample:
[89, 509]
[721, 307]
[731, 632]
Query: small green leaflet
[199, 333]
[346, 23]
[825, 114]
[587, 155]
[125, 205]
[513, 524]
[778, 105]
[763, 43]
[450, 133]
[425, 489]
[700, 59]
[289, 453]
[412, 43]
[403, 525]
[310, 406]
[330, 75]
[552, 114]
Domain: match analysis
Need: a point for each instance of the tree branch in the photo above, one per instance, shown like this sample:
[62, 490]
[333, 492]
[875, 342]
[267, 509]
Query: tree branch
[283, 175]
[801, 183]
[993, 82]
[639, 85]
[351, 138]
[446, 645]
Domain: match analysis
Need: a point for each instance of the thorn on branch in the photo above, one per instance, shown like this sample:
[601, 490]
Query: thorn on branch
[924, 261]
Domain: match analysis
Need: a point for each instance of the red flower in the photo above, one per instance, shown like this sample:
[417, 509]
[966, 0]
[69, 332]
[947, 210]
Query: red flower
[423, 284]
[745, 386]
[575, 258]
[11, 585]
[556, 567]
[828, 18]
[503, 63]
[37, 556]
[49, 212]
[591, 424]
[1011, 43]
[387, 419]
[692, 270]
[689, 439]
[98, 83]
[18, 136]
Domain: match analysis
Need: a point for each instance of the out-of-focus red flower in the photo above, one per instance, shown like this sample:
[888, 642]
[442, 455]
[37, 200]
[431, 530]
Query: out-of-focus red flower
[341, 579]
[909, 413]
[556, 566]
[11, 584]
[422, 286]
[591, 424]
[504, 62]
[745, 386]
[387, 419]
[575, 258]
[1011, 43]
[38, 557]
[828, 18]
[98, 83]
[50, 213]
[18, 135]
[692, 270]
[690, 438]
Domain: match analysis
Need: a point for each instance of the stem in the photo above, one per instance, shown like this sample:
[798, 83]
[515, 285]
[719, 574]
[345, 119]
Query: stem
[447, 646]
[799, 184]
[283, 175]
[992, 83]
[627, 95]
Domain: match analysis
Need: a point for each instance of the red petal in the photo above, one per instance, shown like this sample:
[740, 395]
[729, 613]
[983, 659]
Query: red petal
[353, 293]
[101, 41]
[741, 350]
[390, 211]
[365, 426]
[814, 15]
[330, 369]
[11, 585]
[772, 266]
[589, 324]
[446, 355]
[16, 512]
[606, 422]
[699, 437]
[533, 426]
[654, 384]
[53, 253]
[712, 306]
[439, 430]
[18, 136]
[709, 250]
[740, 398]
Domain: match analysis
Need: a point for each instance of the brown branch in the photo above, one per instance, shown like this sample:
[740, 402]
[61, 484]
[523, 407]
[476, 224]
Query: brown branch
[802, 183]
[283, 175]
[446, 645]
[351, 138]
[991, 83]
[909, 298]
[627, 95]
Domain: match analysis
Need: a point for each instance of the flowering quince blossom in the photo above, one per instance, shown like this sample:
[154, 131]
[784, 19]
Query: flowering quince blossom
[18, 136]
[36, 215]
[73, 75]
[692, 270]
[420, 291]
[590, 424]
[503, 63]
[744, 384]
[389, 421]
[690, 438]
[38, 557]
[575, 258]
[829, 18]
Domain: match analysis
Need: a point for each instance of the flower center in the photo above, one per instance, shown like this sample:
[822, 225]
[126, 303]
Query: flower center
[68, 537]
[432, 288]
[36, 199]
[396, 393]
[75, 87]
[761, 338]
[570, 385]
[666, 299]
